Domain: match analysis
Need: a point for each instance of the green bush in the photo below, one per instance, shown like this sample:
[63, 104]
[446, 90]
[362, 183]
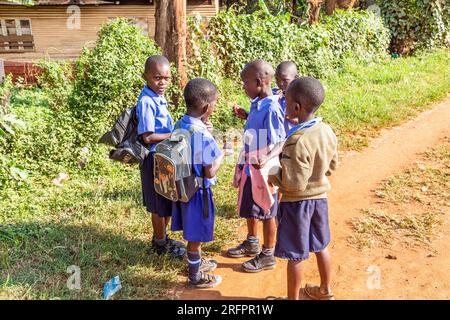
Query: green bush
[417, 24]
[109, 77]
[203, 60]
[5, 93]
[11, 172]
[56, 78]
[317, 50]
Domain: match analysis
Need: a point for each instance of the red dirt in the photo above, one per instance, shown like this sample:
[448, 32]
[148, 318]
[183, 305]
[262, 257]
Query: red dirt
[412, 275]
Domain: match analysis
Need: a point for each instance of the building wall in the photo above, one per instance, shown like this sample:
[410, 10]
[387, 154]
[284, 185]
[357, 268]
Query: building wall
[53, 38]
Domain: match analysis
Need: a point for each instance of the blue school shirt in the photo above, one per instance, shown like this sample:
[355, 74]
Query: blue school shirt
[265, 124]
[282, 100]
[204, 148]
[152, 114]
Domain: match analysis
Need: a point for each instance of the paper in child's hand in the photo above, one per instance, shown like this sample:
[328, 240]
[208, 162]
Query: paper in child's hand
[240, 112]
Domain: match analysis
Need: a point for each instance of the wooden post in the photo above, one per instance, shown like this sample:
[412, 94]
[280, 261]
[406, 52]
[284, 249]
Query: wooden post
[175, 45]
[331, 6]
[161, 22]
[314, 10]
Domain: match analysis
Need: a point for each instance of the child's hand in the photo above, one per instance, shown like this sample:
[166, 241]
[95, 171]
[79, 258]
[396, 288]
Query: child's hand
[259, 164]
[240, 112]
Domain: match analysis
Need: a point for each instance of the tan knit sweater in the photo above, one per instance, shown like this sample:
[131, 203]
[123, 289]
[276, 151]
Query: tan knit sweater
[308, 157]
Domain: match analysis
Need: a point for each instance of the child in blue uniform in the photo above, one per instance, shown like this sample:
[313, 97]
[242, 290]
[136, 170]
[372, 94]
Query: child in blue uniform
[285, 73]
[264, 130]
[201, 97]
[155, 125]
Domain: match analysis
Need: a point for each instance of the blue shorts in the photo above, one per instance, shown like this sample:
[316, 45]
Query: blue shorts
[302, 228]
[154, 202]
[189, 218]
[249, 209]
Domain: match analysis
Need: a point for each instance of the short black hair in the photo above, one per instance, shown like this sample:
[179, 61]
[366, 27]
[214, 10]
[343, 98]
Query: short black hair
[153, 60]
[308, 92]
[261, 68]
[198, 93]
[286, 66]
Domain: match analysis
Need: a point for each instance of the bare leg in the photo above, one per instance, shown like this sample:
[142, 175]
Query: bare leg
[270, 233]
[166, 221]
[324, 266]
[294, 279]
[252, 227]
[159, 227]
[194, 246]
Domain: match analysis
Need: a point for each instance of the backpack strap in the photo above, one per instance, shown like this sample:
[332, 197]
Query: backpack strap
[205, 197]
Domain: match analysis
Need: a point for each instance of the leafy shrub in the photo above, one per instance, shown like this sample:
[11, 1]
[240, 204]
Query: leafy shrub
[10, 171]
[317, 50]
[109, 77]
[203, 60]
[56, 78]
[417, 24]
[5, 93]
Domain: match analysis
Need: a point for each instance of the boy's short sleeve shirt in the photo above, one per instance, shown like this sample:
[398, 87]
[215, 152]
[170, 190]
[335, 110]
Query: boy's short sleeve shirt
[153, 114]
[282, 101]
[204, 148]
[265, 124]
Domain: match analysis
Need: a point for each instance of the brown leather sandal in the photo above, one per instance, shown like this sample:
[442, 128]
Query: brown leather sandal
[314, 293]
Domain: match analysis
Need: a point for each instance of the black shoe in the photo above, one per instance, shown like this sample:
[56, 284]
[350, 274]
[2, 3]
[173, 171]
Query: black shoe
[259, 263]
[170, 248]
[175, 243]
[245, 249]
[207, 280]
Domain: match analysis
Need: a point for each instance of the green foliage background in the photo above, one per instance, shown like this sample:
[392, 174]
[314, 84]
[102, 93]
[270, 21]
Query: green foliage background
[417, 24]
[317, 50]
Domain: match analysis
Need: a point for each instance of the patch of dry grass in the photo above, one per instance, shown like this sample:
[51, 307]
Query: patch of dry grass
[377, 228]
[419, 197]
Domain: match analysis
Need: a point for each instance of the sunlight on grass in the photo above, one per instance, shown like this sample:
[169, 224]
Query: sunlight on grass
[426, 186]
[96, 220]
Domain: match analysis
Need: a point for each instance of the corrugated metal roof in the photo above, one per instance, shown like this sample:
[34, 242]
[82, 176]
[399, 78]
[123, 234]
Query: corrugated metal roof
[63, 2]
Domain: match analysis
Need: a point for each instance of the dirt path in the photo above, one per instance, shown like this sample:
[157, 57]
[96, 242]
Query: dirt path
[412, 276]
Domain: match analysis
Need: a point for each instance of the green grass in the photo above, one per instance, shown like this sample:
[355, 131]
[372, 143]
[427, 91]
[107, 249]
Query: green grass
[361, 100]
[96, 220]
[98, 224]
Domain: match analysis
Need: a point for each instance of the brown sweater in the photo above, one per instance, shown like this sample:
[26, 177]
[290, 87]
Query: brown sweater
[308, 157]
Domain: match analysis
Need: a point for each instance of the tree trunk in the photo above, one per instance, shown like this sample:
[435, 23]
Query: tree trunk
[170, 34]
[314, 10]
[331, 6]
[161, 22]
[347, 4]
[175, 46]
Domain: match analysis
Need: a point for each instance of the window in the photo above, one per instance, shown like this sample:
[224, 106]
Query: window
[15, 27]
[16, 35]
[25, 27]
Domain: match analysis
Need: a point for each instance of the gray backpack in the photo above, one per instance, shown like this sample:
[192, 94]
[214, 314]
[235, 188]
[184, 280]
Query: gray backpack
[173, 172]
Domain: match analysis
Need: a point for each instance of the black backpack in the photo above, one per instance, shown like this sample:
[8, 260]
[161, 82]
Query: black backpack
[129, 148]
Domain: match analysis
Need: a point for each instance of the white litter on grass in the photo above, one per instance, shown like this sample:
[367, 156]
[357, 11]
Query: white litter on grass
[60, 179]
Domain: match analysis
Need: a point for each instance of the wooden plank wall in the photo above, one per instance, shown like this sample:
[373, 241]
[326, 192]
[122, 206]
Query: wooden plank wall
[52, 37]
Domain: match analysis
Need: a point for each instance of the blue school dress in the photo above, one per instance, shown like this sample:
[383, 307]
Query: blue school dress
[264, 127]
[189, 216]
